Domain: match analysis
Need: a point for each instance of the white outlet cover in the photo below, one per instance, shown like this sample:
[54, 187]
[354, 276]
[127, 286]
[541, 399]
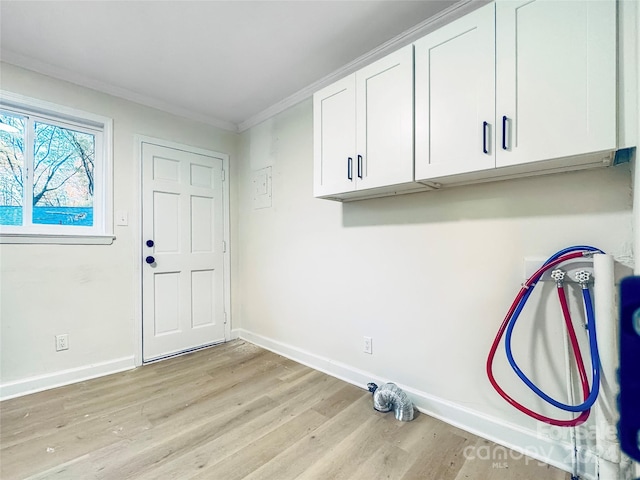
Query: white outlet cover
[368, 345]
[261, 188]
[62, 342]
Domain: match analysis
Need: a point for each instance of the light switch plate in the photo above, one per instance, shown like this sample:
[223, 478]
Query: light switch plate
[122, 218]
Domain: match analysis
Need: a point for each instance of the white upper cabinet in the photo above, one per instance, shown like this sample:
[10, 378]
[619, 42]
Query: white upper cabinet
[455, 97]
[384, 120]
[334, 130]
[514, 83]
[516, 87]
[363, 128]
[556, 79]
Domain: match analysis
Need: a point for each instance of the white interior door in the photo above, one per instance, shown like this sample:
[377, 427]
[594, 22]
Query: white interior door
[183, 238]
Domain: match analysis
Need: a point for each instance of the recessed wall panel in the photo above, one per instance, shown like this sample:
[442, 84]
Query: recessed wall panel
[166, 304]
[202, 298]
[201, 224]
[166, 169]
[201, 176]
[166, 222]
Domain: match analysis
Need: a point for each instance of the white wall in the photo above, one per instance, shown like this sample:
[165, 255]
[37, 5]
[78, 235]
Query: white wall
[88, 292]
[428, 276]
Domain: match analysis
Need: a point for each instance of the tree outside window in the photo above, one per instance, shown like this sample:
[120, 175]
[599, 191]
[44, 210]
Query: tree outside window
[55, 170]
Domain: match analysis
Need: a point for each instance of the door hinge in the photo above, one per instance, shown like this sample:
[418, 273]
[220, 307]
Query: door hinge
[224, 246]
[224, 176]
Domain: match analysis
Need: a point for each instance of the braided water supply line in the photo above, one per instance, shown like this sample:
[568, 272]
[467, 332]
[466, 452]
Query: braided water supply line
[508, 323]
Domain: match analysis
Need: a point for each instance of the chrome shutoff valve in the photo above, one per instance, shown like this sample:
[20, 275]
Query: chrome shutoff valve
[583, 277]
[558, 276]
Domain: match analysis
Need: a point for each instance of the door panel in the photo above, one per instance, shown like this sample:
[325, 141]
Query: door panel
[555, 85]
[183, 303]
[165, 222]
[455, 94]
[335, 138]
[166, 312]
[384, 100]
[202, 223]
[202, 302]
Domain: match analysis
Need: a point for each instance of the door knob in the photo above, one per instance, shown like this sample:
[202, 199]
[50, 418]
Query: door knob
[150, 260]
[149, 243]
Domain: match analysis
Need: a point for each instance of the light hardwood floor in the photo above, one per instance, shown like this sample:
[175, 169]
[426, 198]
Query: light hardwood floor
[234, 411]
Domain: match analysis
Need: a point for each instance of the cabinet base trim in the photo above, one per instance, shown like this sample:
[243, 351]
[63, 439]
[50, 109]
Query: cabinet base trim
[559, 165]
[381, 192]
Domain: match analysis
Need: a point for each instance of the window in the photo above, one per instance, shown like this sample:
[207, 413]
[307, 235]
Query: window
[55, 169]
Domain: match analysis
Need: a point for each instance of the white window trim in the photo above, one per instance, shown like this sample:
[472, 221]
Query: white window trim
[103, 234]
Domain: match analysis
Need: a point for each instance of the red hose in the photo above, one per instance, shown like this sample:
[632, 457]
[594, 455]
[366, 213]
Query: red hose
[574, 341]
[574, 344]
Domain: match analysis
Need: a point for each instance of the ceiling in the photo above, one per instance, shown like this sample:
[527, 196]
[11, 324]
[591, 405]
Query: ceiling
[228, 63]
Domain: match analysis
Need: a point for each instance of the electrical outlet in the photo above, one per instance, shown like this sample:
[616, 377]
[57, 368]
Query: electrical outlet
[368, 345]
[62, 342]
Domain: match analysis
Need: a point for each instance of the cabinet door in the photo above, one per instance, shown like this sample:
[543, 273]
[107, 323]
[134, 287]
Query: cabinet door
[384, 98]
[556, 79]
[455, 88]
[334, 125]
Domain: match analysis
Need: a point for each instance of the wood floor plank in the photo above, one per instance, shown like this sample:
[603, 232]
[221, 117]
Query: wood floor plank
[439, 457]
[146, 451]
[388, 462]
[259, 452]
[291, 402]
[292, 462]
[343, 459]
[231, 412]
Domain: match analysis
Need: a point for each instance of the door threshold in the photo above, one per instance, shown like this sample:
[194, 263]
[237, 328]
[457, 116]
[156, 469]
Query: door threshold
[183, 352]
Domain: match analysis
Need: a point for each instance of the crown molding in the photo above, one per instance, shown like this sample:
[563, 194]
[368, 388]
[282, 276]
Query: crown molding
[454, 12]
[67, 75]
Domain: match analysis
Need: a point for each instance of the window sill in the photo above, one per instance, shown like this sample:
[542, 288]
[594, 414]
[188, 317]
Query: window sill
[57, 239]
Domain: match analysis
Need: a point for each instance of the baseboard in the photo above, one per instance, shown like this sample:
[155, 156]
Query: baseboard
[525, 441]
[39, 383]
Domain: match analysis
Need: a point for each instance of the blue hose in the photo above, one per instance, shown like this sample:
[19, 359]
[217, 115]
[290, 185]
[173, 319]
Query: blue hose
[593, 344]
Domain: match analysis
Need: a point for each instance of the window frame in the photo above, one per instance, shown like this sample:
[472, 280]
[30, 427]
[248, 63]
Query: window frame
[65, 117]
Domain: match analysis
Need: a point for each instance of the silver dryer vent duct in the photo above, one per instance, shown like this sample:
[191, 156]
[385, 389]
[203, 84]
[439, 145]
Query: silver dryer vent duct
[391, 397]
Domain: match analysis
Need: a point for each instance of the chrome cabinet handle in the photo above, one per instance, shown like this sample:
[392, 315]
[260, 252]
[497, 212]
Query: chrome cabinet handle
[349, 168]
[359, 166]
